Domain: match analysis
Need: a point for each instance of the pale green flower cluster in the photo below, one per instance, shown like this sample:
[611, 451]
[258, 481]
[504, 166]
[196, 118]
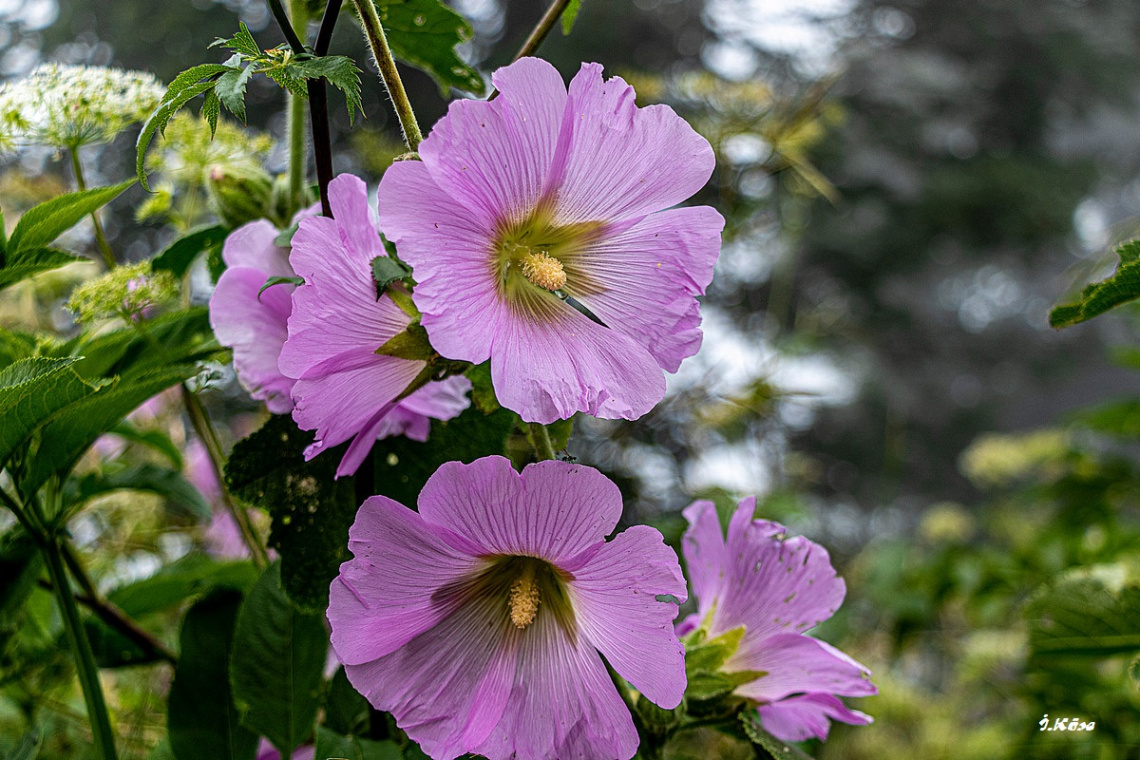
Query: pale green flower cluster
[126, 291]
[995, 460]
[66, 107]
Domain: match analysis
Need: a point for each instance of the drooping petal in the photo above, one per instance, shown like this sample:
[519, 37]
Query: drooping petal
[705, 557]
[553, 510]
[650, 275]
[448, 686]
[806, 716]
[386, 594]
[450, 252]
[779, 584]
[793, 663]
[615, 598]
[547, 370]
[622, 161]
[563, 705]
[494, 156]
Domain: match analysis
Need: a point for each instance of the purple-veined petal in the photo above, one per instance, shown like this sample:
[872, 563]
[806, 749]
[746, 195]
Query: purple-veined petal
[614, 594]
[705, 557]
[793, 663]
[796, 719]
[384, 596]
[548, 370]
[357, 220]
[650, 275]
[553, 509]
[622, 161]
[252, 245]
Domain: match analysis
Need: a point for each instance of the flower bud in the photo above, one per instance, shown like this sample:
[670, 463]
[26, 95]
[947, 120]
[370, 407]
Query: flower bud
[239, 194]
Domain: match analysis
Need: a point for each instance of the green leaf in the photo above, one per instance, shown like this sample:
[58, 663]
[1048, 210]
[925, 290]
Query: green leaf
[171, 103]
[276, 671]
[482, 392]
[15, 345]
[20, 565]
[178, 337]
[346, 711]
[333, 745]
[32, 262]
[711, 654]
[68, 435]
[411, 344]
[773, 746]
[1118, 418]
[1099, 297]
[186, 578]
[386, 271]
[230, 88]
[242, 42]
[340, 71]
[177, 257]
[165, 482]
[211, 109]
[570, 15]
[32, 391]
[424, 33]
[311, 508]
[202, 722]
[280, 280]
[29, 746]
[1089, 611]
[42, 224]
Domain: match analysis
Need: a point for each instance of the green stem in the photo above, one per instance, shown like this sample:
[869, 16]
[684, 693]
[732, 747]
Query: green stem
[540, 439]
[374, 31]
[209, 437]
[545, 24]
[100, 236]
[299, 13]
[87, 668]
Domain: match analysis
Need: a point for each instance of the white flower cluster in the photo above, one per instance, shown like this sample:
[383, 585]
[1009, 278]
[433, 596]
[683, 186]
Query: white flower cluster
[66, 107]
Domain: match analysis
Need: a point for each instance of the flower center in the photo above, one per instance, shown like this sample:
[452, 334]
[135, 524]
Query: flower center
[543, 270]
[524, 600]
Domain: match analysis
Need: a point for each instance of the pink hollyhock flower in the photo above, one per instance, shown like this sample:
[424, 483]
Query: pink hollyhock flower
[542, 199]
[777, 588]
[478, 621]
[266, 751]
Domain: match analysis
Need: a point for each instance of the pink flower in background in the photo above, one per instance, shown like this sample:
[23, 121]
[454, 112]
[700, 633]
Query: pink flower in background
[266, 751]
[479, 621]
[777, 588]
[254, 327]
[528, 207]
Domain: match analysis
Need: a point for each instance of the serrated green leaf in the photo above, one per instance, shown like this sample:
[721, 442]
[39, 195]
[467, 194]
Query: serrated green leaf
[186, 578]
[242, 42]
[73, 430]
[1122, 287]
[1091, 611]
[42, 224]
[230, 88]
[177, 257]
[333, 745]
[411, 344]
[276, 674]
[163, 481]
[202, 720]
[311, 509]
[32, 262]
[15, 345]
[340, 71]
[170, 105]
[211, 108]
[192, 76]
[773, 746]
[32, 392]
[386, 271]
[570, 15]
[424, 33]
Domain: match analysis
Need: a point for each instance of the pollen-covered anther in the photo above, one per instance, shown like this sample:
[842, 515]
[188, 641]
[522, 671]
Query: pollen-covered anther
[543, 270]
[524, 601]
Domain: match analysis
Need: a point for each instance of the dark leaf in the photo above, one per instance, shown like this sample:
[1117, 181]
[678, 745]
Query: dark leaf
[386, 271]
[424, 33]
[411, 344]
[333, 745]
[165, 482]
[177, 257]
[32, 392]
[1099, 297]
[773, 746]
[346, 711]
[1090, 611]
[230, 88]
[280, 280]
[186, 578]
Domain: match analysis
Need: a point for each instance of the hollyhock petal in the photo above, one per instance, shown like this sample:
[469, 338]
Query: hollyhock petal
[553, 509]
[357, 220]
[254, 246]
[705, 556]
[448, 686]
[622, 161]
[794, 663]
[649, 276]
[443, 400]
[383, 597]
[547, 371]
[563, 706]
[797, 719]
[615, 598]
[494, 156]
[780, 585]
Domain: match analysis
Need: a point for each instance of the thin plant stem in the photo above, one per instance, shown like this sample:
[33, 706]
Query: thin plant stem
[299, 12]
[540, 438]
[291, 37]
[209, 437]
[100, 236]
[542, 28]
[86, 666]
[382, 54]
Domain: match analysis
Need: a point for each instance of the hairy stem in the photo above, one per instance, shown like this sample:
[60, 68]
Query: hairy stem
[299, 11]
[374, 31]
[540, 439]
[100, 236]
[86, 666]
[209, 437]
[319, 110]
